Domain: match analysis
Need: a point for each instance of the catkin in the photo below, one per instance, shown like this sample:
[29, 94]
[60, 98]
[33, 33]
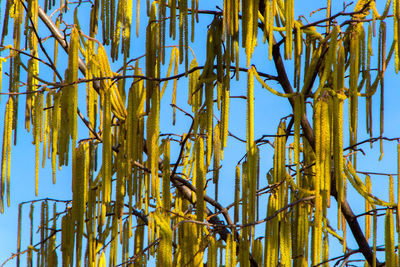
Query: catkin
[251, 149]
[6, 154]
[398, 199]
[209, 89]
[297, 113]
[257, 251]
[396, 33]
[317, 226]
[54, 126]
[390, 255]
[224, 118]
[77, 198]
[19, 233]
[353, 90]
[237, 194]
[200, 179]
[217, 156]
[107, 148]
[166, 194]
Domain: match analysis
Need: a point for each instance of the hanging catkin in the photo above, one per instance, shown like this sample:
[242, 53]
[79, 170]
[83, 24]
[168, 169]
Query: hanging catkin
[209, 89]
[390, 255]
[251, 149]
[80, 184]
[200, 179]
[216, 158]
[6, 154]
[107, 148]
[166, 194]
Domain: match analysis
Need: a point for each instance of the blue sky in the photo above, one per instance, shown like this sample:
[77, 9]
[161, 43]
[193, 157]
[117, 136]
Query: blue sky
[269, 109]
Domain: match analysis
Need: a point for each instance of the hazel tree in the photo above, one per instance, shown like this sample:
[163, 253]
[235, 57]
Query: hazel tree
[145, 189]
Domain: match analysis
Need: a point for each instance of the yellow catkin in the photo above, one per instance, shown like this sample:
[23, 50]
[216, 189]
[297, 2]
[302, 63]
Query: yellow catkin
[244, 234]
[166, 194]
[237, 193]
[257, 251]
[38, 111]
[107, 148]
[6, 153]
[186, 34]
[338, 125]
[121, 179]
[195, 89]
[46, 129]
[285, 241]
[31, 212]
[209, 89]
[224, 118]
[317, 226]
[353, 90]
[228, 251]
[325, 151]
[271, 235]
[176, 59]
[367, 209]
[328, 14]
[172, 25]
[251, 149]
[212, 252]
[398, 186]
[368, 83]
[200, 179]
[164, 255]
[390, 256]
[43, 232]
[125, 242]
[374, 234]
[73, 55]
[271, 26]
[391, 191]
[217, 156]
[154, 136]
[325, 247]
[288, 27]
[19, 233]
[181, 6]
[51, 256]
[391, 259]
[266, 19]
[54, 127]
[249, 27]
[130, 140]
[297, 113]
[279, 167]
[396, 33]
[139, 242]
[114, 241]
[382, 65]
[118, 27]
[193, 19]
[79, 185]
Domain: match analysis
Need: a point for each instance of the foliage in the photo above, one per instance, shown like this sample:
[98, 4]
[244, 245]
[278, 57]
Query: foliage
[140, 191]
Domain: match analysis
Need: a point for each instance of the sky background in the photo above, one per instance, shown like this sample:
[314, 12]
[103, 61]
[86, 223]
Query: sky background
[269, 109]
